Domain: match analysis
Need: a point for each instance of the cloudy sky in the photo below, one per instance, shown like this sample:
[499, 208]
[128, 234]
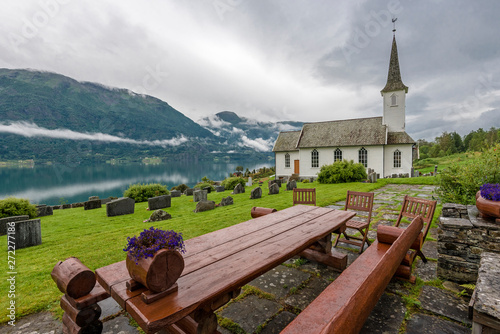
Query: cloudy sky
[273, 60]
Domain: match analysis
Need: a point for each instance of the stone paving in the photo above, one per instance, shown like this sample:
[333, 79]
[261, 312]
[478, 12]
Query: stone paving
[270, 302]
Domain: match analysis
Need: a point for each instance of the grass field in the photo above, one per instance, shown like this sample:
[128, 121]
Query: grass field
[427, 165]
[98, 240]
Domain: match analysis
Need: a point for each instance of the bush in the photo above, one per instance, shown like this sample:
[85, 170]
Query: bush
[341, 172]
[231, 182]
[305, 181]
[181, 187]
[12, 206]
[460, 183]
[202, 185]
[141, 192]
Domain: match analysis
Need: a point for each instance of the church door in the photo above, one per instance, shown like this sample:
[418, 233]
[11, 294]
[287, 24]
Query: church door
[296, 167]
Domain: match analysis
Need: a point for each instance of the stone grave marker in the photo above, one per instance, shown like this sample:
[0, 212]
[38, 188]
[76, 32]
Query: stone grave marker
[274, 189]
[189, 192]
[4, 221]
[159, 215]
[199, 195]
[290, 185]
[120, 206]
[175, 193]
[219, 189]
[204, 205]
[43, 210]
[239, 189]
[249, 183]
[92, 204]
[208, 189]
[28, 233]
[226, 201]
[256, 193]
[159, 202]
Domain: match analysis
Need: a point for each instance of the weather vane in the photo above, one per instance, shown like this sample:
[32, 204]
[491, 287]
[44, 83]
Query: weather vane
[394, 19]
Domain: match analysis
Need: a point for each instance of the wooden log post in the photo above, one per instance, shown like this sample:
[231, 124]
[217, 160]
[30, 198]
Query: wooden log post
[259, 212]
[70, 327]
[73, 278]
[82, 317]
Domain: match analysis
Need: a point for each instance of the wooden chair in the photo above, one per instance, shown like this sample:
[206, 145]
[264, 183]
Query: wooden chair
[304, 196]
[358, 201]
[413, 207]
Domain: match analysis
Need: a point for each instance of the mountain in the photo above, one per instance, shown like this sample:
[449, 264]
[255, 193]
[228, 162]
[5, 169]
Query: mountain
[247, 132]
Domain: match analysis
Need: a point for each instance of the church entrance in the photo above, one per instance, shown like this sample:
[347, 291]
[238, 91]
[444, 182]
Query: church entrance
[296, 167]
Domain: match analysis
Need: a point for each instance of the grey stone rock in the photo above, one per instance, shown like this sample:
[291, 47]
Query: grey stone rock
[251, 312]
[460, 223]
[120, 206]
[92, 204]
[423, 323]
[239, 189]
[441, 302]
[256, 193]
[386, 317]
[77, 205]
[290, 185]
[159, 202]
[278, 182]
[4, 221]
[278, 323]
[199, 195]
[109, 307]
[456, 269]
[204, 205]
[56, 207]
[488, 286]
[219, 189]
[175, 193]
[28, 233]
[93, 198]
[226, 201]
[274, 189]
[426, 271]
[280, 280]
[189, 192]
[43, 210]
[159, 215]
[208, 189]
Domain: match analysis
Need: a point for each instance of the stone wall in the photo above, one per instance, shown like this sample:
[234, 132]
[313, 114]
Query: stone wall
[462, 238]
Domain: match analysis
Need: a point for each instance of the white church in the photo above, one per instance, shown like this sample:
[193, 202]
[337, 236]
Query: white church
[379, 143]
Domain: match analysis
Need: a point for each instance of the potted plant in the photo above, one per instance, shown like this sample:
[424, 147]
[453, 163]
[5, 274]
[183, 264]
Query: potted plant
[154, 258]
[488, 200]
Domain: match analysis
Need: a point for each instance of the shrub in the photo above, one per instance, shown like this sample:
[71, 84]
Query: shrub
[141, 192]
[12, 206]
[231, 182]
[202, 185]
[305, 181]
[181, 187]
[460, 183]
[341, 172]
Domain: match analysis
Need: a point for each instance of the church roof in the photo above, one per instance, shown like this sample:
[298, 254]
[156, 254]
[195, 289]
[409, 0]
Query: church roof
[399, 138]
[286, 141]
[394, 81]
[350, 132]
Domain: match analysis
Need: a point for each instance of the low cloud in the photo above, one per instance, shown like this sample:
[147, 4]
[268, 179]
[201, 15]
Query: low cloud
[213, 121]
[258, 144]
[26, 129]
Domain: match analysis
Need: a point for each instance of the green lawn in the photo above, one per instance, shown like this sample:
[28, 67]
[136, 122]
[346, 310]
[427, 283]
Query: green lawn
[427, 165]
[98, 240]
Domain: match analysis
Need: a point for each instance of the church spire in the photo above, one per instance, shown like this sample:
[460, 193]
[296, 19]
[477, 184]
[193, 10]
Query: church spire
[394, 81]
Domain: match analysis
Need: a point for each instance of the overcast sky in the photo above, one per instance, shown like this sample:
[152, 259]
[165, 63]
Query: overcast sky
[273, 60]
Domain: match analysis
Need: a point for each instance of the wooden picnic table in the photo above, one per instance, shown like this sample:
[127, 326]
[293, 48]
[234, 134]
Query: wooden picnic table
[219, 263]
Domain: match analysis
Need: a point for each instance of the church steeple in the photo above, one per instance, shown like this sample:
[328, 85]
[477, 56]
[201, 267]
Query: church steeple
[394, 81]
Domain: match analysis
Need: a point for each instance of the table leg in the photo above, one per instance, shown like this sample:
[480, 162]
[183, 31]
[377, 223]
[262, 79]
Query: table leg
[321, 251]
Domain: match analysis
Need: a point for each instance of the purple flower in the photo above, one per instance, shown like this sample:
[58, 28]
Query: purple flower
[152, 240]
[491, 191]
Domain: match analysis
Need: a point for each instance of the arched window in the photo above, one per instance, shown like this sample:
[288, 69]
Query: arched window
[394, 99]
[397, 159]
[337, 155]
[287, 160]
[363, 157]
[314, 158]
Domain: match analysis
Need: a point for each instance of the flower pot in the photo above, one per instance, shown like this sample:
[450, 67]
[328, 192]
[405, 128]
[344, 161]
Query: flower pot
[487, 208]
[159, 272]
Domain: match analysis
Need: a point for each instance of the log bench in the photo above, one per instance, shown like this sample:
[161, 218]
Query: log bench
[345, 304]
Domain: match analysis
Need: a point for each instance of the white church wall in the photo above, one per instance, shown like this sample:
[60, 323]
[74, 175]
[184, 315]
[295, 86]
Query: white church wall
[406, 159]
[394, 115]
[281, 170]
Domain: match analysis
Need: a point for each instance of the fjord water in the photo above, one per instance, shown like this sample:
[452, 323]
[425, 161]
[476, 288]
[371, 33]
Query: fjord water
[56, 184]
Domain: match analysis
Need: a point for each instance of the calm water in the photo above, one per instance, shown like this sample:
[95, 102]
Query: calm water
[52, 184]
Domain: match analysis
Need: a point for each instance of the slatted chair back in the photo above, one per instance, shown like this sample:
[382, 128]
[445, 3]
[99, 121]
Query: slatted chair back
[413, 207]
[360, 201]
[304, 196]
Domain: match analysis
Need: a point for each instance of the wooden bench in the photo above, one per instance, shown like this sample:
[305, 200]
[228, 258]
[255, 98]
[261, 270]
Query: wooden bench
[304, 196]
[345, 304]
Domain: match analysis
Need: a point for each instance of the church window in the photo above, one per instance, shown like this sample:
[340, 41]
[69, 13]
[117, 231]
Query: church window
[337, 155]
[363, 157]
[314, 158]
[394, 100]
[287, 160]
[397, 159]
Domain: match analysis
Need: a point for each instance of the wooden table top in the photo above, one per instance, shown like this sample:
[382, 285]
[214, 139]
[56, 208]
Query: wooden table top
[222, 261]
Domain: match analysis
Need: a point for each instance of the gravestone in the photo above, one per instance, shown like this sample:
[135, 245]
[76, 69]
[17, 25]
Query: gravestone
[65, 206]
[199, 195]
[274, 189]
[44, 210]
[249, 183]
[256, 193]
[208, 189]
[92, 204]
[77, 205]
[239, 189]
[175, 193]
[159, 202]
[27, 233]
[290, 185]
[120, 206]
[159, 215]
[226, 201]
[56, 207]
[435, 169]
[91, 198]
[189, 192]
[107, 200]
[4, 221]
[204, 205]
[219, 189]
[278, 182]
